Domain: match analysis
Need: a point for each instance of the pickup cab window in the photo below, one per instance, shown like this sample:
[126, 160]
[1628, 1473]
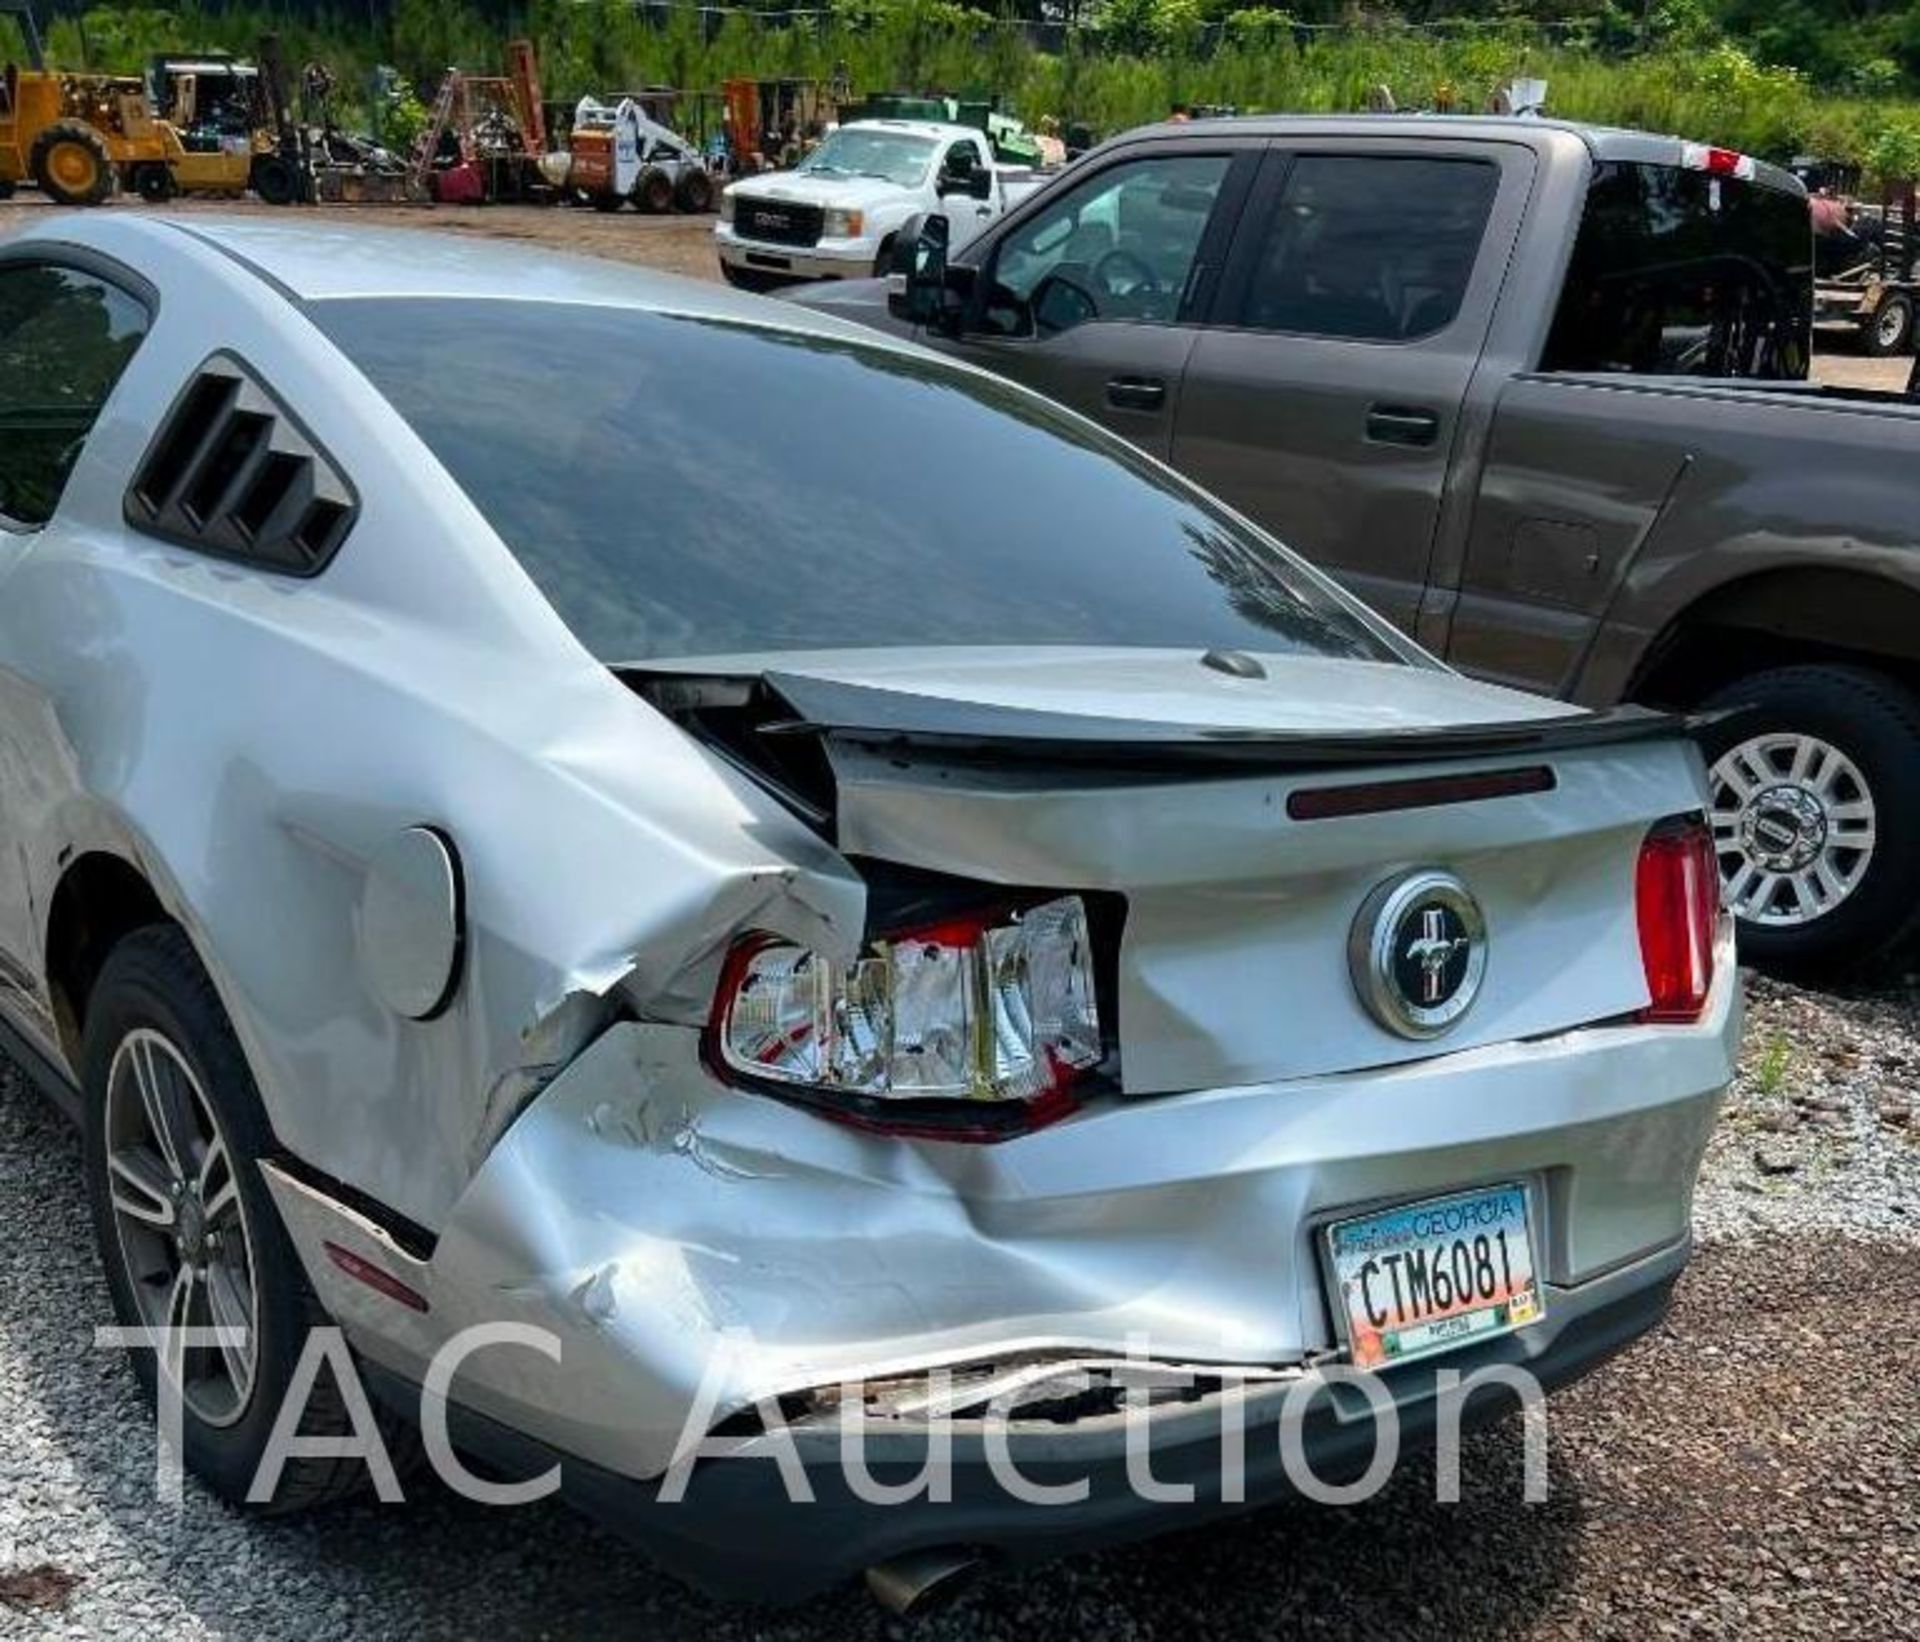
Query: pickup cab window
[1120, 246]
[1374, 248]
[1679, 272]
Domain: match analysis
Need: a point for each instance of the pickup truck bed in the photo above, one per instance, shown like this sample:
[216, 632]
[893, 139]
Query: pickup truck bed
[1537, 392]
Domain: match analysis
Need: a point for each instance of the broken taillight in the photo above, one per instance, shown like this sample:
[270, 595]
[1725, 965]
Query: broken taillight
[974, 1027]
[1677, 895]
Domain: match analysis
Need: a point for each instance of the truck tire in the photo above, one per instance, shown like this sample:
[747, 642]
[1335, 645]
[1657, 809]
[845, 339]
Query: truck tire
[6, 189]
[653, 192]
[174, 1135]
[71, 163]
[1815, 784]
[1890, 331]
[274, 179]
[154, 183]
[605, 203]
[694, 192]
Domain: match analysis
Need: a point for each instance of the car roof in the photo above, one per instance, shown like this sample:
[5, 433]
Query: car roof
[1601, 141]
[320, 261]
[312, 262]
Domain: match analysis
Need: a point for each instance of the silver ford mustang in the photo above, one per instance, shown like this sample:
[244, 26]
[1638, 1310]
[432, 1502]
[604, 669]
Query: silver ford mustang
[820, 891]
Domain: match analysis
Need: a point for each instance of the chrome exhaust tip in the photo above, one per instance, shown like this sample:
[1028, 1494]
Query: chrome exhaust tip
[922, 1582]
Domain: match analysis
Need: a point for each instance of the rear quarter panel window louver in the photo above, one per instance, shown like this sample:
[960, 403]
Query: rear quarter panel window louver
[233, 473]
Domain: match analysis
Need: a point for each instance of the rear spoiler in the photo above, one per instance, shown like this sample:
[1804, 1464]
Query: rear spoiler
[786, 706]
[860, 715]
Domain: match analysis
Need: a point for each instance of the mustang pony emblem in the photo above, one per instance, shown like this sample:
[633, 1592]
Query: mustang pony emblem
[1418, 952]
[1432, 952]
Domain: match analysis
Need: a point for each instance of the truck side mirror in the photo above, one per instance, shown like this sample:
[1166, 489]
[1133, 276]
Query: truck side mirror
[920, 258]
[963, 174]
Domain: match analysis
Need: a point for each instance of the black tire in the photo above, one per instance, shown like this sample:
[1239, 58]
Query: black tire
[1873, 722]
[153, 982]
[653, 192]
[694, 192]
[71, 164]
[748, 279]
[6, 189]
[605, 202]
[154, 183]
[883, 263]
[274, 179]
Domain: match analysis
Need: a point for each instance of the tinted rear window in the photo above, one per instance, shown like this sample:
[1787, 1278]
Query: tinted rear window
[685, 487]
[1676, 272]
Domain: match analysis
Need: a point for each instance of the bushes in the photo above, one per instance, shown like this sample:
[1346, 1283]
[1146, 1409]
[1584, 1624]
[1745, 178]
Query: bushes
[1665, 66]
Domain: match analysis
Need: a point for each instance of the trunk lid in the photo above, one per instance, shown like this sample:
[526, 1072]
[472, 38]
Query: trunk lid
[1193, 794]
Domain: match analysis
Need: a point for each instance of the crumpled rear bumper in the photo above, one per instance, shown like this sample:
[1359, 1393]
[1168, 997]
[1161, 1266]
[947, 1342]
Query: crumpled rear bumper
[692, 1250]
[737, 1530]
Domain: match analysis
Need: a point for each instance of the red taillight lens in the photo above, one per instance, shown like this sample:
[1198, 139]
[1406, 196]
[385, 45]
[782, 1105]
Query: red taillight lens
[973, 1027]
[1677, 891]
[1718, 162]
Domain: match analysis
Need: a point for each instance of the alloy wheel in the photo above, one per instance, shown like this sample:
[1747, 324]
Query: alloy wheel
[1891, 326]
[180, 1222]
[1793, 825]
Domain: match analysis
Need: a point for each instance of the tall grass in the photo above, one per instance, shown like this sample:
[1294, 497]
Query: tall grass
[1711, 91]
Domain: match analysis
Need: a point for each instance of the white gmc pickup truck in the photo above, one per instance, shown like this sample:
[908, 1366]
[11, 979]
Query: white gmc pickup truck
[835, 215]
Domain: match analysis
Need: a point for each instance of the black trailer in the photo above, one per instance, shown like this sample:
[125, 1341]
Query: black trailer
[1866, 276]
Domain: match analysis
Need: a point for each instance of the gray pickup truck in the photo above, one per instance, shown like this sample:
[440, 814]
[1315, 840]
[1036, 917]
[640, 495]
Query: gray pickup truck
[1537, 392]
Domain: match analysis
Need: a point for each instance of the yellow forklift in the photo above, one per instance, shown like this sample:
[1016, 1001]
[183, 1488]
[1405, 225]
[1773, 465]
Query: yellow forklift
[233, 126]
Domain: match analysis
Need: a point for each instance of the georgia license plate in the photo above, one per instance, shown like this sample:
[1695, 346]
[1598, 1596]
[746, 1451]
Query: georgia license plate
[1426, 1277]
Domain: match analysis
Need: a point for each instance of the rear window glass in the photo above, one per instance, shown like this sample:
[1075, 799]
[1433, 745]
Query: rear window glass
[1680, 273]
[683, 486]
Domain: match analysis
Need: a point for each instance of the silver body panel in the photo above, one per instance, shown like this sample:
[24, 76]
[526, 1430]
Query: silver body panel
[254, 746]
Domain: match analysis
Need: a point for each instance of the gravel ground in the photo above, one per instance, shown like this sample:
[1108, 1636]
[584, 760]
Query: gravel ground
[1822, 1131]
[1747, 1471]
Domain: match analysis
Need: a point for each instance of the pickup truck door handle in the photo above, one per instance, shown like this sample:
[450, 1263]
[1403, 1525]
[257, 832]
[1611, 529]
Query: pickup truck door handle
[1402, 425]
[1141, 393]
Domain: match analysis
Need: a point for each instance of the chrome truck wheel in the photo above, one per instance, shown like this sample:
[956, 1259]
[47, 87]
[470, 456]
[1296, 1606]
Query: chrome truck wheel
[1793, 821]
[1814, 778]
[182, 1234]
